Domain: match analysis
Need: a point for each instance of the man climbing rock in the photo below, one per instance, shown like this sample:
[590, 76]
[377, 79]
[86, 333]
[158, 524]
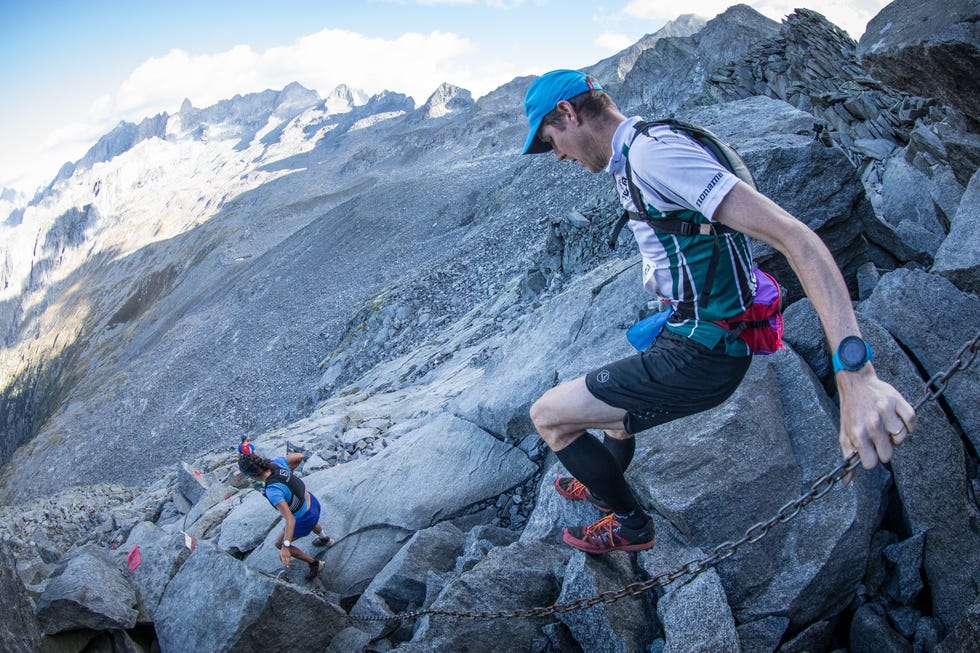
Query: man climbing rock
[299, 508]
[704, 271]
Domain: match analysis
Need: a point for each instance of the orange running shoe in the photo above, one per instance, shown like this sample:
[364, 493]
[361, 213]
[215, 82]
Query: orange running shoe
[572, 488]
[608, 534]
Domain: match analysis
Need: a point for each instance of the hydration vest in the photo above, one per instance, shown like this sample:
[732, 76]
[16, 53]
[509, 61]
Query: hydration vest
[726, 155]
[292, 482]
[760, 325]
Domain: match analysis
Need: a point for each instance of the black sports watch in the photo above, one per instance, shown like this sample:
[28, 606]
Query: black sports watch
[852, 354]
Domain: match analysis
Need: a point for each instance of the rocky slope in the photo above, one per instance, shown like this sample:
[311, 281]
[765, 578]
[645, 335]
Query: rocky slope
[390, 288]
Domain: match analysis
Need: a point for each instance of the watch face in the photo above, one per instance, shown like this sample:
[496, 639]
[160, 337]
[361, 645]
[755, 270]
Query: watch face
[852, 352]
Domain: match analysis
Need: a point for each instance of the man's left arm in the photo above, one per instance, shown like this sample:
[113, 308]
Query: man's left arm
[874, 416]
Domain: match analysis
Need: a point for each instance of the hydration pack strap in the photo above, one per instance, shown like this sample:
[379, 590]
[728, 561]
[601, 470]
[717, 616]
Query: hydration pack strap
[724, 153]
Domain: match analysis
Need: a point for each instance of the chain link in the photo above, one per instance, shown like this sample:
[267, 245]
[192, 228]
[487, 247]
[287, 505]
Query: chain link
[933, 389]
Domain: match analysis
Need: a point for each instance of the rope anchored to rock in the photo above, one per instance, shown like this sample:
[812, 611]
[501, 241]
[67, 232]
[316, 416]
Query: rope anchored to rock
[933, 388]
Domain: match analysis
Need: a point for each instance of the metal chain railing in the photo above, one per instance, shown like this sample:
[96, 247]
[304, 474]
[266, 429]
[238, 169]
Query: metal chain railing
[932, 390]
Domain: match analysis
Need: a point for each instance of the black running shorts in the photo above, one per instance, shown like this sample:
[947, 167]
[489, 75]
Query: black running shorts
[674, 378]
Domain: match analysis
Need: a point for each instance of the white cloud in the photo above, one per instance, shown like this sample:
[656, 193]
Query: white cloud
[413, 63]
[72, 133]
[659, 10]
[614, 42]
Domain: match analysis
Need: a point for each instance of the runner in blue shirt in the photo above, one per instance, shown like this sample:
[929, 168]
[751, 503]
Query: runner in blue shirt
[299, 508]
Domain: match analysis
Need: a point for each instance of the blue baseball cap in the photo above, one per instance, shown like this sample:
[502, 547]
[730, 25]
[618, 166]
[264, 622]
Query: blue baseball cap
[545, 94]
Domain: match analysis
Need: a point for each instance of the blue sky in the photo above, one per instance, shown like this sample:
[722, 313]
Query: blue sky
[70, 70]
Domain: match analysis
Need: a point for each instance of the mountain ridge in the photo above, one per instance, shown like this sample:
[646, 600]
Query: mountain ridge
[391, 287]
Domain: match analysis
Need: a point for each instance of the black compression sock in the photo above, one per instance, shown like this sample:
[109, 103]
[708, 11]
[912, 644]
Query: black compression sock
[635, 519]
[593, 464]
[622, 450]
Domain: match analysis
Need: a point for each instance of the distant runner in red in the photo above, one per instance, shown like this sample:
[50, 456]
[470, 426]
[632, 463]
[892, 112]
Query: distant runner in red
[245, 446]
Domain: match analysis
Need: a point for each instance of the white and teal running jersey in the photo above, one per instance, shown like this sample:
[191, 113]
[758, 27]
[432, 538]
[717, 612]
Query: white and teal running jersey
[678, 178]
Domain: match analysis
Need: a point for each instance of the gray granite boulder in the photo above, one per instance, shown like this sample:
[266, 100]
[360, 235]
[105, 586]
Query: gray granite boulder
[572, 333]
[694, 612]
[216, 495]
[932, 318]
[822, 188]
[510, 578]
[778, 432]
[871, 632]
[248, 524]
[958, 258]
[18, 627]
[89, 591]
[907, 197]
[762, 636]
[936, 504]
[245, 610]
[403, 583]
[480, 541]
[624, 625]
[191, 483]
[966, 634]
[815, 183]
[161, 555]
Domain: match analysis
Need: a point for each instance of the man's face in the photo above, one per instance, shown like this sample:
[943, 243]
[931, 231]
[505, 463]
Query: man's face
[572, 142]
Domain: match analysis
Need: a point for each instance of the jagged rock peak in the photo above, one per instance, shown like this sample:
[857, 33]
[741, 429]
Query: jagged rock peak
[447, 99]
[675, 68]
[293, 99]
[123, 137]
[343, 98]
[386, 101]
[186, 107]
[736, 17]
[683, 25]
[812, 65]
[617, 66]
[812, 24]
[9, 195]
[296, 93]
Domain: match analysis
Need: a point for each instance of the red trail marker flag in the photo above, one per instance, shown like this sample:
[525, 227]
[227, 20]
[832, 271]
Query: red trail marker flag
[133, 558]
